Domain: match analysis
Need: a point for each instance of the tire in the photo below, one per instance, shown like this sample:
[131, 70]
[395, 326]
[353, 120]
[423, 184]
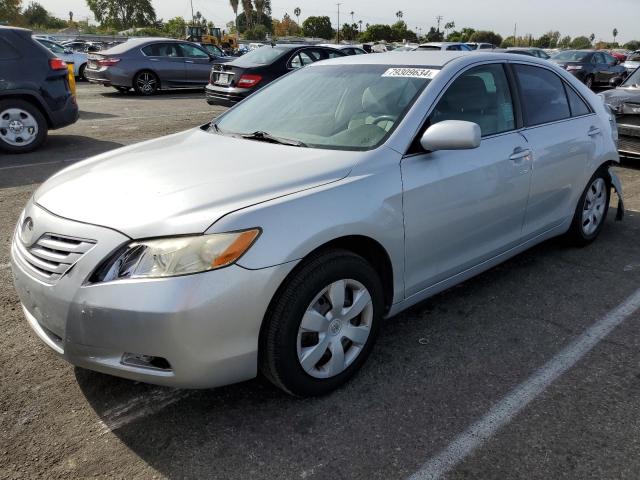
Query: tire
[332, 349]
[146, 83]
[81, 72]
[23, 128]
[591, 212]
[589, 82]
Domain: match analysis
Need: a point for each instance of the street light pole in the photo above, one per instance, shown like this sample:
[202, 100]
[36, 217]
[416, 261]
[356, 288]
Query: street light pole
[338, 31]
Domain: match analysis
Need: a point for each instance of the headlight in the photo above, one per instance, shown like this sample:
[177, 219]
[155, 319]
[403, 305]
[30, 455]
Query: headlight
[170, 257]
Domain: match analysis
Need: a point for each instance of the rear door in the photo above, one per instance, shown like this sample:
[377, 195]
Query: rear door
[197, 64]
[166, 60]
[601, 74]
[561, 129]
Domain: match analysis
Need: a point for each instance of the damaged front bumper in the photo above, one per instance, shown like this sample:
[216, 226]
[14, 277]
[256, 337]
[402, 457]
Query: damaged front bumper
[617, 185]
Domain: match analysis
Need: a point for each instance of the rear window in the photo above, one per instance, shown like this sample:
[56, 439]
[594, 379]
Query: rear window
[263, 55]
[543, 95]
[571, 56]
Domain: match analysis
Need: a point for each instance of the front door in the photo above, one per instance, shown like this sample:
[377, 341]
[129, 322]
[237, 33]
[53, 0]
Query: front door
[197, 64]
[465, 207]
[165, 59]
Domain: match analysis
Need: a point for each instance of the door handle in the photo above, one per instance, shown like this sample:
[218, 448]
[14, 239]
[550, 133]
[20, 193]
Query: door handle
[593, 131]
[520, 153]
[188, 61]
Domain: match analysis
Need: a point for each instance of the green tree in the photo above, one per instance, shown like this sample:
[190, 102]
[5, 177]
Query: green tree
[508, 42]
[565, 42]
[318, 27]
[400, 32]
[375, 33]
[349, 31]
[175, 27]
[10, 11]
[633, 45]
[258, 33]
[434, 35]
[461, 36]
[123, 14]
[36, 14]
[247, 7]
[592, 37]
[580, 43]
[543, 42]
[243, 25]
[486, 36]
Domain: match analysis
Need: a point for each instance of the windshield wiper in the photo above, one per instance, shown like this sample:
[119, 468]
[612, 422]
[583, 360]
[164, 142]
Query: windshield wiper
[266, 137]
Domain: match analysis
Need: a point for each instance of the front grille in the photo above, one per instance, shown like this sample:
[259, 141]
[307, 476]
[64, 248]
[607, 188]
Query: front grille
[52, 255]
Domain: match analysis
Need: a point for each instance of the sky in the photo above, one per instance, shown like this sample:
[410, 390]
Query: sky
[570, 17]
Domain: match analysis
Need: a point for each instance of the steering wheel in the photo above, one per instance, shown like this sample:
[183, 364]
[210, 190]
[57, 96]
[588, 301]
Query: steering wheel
[383, 118]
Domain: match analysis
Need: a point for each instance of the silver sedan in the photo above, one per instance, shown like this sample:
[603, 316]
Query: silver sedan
[278, 237]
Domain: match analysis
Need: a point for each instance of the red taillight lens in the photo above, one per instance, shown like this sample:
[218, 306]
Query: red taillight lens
[247, 81]
[108, 62]
[57, 64]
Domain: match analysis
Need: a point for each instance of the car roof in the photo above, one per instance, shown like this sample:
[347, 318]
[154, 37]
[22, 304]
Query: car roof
[428, 58]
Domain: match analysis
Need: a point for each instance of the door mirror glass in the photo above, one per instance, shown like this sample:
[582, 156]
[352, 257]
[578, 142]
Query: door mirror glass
[451, 135]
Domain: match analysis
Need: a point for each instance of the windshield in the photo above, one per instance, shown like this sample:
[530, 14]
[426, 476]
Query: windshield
[263, 55]
[633, 80]
[343, 107]
[571, 56]
[213, 50]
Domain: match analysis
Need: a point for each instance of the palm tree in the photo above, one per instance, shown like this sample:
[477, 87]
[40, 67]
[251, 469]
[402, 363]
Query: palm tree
[259, 9]
[234, 7]
[247, 6]
[615, 34]
[297, 13]
[360, 23]
[399, 14]
[352, 14]
[592, 37]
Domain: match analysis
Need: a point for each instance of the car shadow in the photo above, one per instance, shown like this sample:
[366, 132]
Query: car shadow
[85, 115]
[58, 152]
[158, 95]
[436, 367]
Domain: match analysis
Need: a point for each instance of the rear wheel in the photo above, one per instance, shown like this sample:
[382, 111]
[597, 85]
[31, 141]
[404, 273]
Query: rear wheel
[322, 325]
[81, 72]
[22, 127]
[146, 83]
[592, 210]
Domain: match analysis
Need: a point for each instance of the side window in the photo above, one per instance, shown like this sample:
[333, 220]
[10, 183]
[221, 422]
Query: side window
[162, 50]
[577, 104]
[336, 54]
[7, 52]
[301, 59]
[609, 59]
[480, 95]
[543, 96]
[453, 47]
[191, 51]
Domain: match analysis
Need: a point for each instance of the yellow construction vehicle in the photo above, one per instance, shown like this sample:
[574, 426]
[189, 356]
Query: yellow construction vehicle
[211, 36]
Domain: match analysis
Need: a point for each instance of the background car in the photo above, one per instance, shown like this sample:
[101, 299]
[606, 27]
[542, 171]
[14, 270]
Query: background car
[79, 59]
[346, 49]
[148, 65]
[589, 66]
[536, 52]
[233, 81]
[625, 103]
[515, 51]
[450, 46]
[35, 94]
[632, 62]
[216, 52]
[480, 46]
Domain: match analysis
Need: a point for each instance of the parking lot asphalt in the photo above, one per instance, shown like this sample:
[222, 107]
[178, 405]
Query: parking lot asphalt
[437, 369]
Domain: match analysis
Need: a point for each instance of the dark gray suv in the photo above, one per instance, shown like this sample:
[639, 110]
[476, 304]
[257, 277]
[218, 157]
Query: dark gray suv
[150, 64]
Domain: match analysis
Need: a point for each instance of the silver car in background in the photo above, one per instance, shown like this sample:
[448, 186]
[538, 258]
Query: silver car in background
[278, 237]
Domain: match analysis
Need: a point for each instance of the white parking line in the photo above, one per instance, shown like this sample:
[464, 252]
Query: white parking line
[505, 410]
[139, 407]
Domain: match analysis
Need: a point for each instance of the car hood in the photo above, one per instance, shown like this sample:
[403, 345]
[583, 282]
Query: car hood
[183, 183]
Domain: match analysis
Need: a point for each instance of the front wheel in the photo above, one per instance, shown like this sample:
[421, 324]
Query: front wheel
[592, 210]
[322, 325]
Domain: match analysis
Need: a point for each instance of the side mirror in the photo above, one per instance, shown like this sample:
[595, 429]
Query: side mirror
[451, 135]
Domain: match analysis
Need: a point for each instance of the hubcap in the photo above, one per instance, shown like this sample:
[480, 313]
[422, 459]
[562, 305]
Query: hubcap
[18, 127]
[594, 206]
[335, 328]
[147, 83]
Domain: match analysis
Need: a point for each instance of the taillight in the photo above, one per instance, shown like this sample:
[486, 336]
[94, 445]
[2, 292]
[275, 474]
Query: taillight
[248, 81]
[108, 62]
[57, 64]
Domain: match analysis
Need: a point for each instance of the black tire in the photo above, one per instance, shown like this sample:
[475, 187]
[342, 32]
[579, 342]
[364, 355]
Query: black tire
[40, 123]
[146, 83]
[81, 72]
[577, 234]
[279, 337]
[589, 81]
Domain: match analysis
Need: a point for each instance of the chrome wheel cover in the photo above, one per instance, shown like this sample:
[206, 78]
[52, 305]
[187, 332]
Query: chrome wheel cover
[146, 83]
[335, 328]
[594, 206]
[18, 127]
